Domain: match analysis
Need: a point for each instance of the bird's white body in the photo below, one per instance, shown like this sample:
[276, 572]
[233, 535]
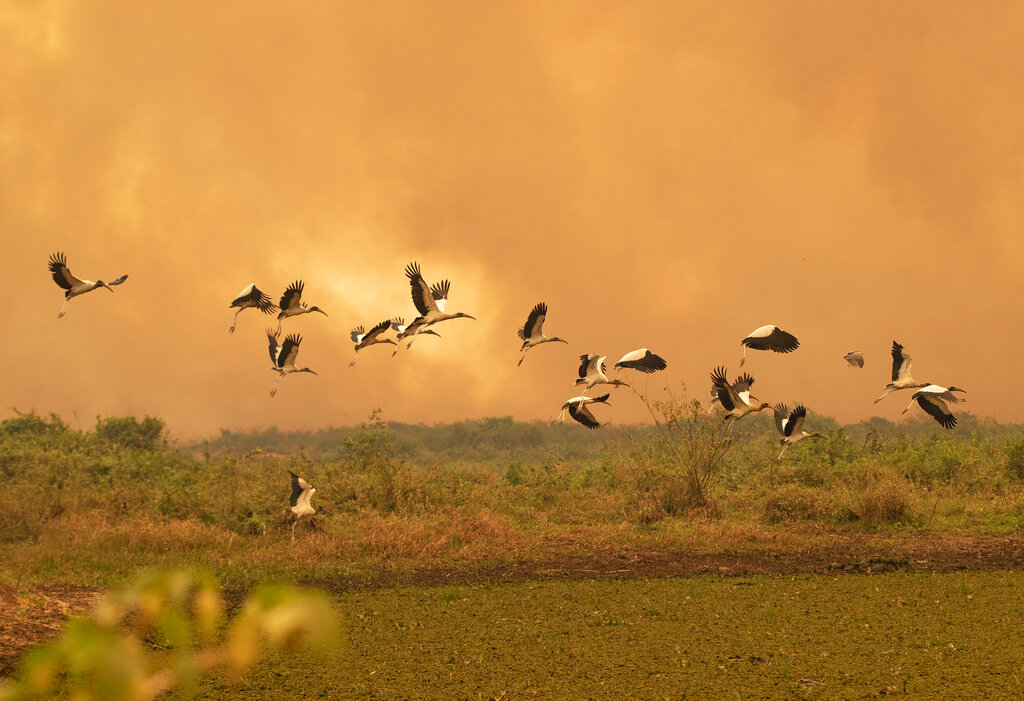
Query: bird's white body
[901, 378]
[735, 398]
[592, 372]
[532, 332]
[291, 303]
[302, 492]
[374, 336]
[430, 301]
[933, 399]
[73, 286]
[578, 410]
[790, 426]
[283, 356]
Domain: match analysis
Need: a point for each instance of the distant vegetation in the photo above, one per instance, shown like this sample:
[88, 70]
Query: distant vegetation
[91, 507]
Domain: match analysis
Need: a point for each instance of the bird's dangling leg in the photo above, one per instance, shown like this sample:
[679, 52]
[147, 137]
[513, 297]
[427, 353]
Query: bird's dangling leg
[294, 524]
[234, 321]
[64, 309]
[274, 390]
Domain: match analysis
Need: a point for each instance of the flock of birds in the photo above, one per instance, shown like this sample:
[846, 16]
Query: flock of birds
[430, 302]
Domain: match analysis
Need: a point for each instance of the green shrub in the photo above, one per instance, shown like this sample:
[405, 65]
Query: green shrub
[32, 424]
[129, 432]
[1014, 452]
[794, 502]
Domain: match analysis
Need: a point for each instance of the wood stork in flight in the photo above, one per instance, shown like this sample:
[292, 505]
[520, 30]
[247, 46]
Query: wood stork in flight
[302, 492]
[577, 408]
[791, 426]
[592, 369]
[735, 398]
[72, 285]
[430, 301]
[283, 356]
[374, 336]
[901, 378]
[641, 360]
[855, 359]
[291, 303]
[251, 296]
[532, 332]
[932, 399]
[771, 338]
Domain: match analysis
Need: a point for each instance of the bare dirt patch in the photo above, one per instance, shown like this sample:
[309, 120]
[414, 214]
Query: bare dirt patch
[28, 618]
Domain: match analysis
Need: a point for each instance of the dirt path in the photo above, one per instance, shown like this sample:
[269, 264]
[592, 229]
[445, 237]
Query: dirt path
[28, 618]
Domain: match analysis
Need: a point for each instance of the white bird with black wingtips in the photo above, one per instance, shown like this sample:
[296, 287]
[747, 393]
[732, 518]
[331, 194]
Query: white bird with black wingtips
[592, 372]
[283, 356]
[901, 378]
[641, 360]
[430, 301]
[771, 338]
[374, 336]
[577, 408]
[933, 398]
[252, 297]
[532, 332]
[791, 425]
[735, 398]
[72, 285]
[302, 492]
[291, 303]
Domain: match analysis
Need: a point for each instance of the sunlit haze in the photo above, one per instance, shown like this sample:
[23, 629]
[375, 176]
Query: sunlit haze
[670, 175]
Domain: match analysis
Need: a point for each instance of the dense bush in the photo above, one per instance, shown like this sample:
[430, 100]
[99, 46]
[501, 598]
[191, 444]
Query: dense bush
[129, 432]
[1014, 452]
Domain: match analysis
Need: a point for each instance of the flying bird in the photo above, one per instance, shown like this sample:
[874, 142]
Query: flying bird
[251, 296]
[291, 303]
[932, 399]
[901, 378]
[592, 369]
[283, 356]
[532, 332]
[641, 360]
[430, 301]
[791, 425]
[302, 492]
[72, 285]
[769, 338]
[577, 408]
[374, 336]
[855, 359]
[735, 398]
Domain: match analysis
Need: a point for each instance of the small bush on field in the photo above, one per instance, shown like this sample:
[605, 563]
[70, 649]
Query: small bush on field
[794, 502]
[1014, 452]
[32, 424]
[885, 498]
[371, 453]
[129, 432]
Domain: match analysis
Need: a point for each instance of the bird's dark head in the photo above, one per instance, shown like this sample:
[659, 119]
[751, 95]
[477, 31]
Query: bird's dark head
[557, 339]
[100, 283]
[580, 381]
[318, 309]
[957, 389]
[618, 383]
[764, 405]
[431, 332]
[462, 315]
[308, 370]
[815, 435]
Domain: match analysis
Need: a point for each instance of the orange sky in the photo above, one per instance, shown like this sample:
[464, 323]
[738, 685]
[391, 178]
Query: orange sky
[670, 175]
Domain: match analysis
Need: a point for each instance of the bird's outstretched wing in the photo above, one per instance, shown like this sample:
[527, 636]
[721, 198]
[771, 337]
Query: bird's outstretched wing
[726, 394]
[357, 334]
[439, 291]
[289, 350]
[781, 413]
[900, 361]
[585, 361]
[535, 321]
[299, 486]
[379, 329]
[422, 297]
[272, 336]
[796, 420]
[292, 297]
[580, 412]
[60, 272]
[937, 409]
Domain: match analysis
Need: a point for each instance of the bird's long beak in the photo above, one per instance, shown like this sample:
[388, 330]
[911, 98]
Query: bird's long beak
[470, 316]
[107, 286]
[322, 312]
